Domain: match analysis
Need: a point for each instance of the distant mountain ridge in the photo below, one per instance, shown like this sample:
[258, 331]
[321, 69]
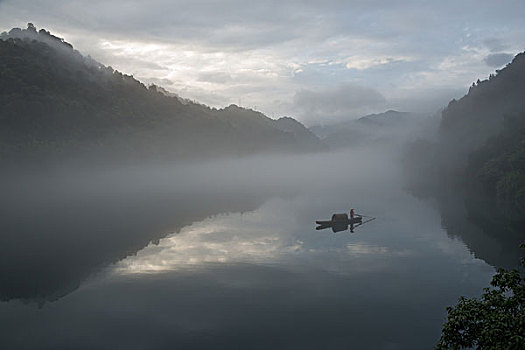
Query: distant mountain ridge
[55, 102]
[389, 126]
[389, 117]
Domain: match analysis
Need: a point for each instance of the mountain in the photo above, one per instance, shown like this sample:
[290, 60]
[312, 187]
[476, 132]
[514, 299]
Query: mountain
[387, 127]
[478, 156]
[388, 118]
[469, 123]
[474, 167]
[57, 103]
[483, 123]
[298, 130]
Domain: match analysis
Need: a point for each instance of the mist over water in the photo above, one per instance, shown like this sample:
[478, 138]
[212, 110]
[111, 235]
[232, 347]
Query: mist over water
[216, 211]
[226, 252]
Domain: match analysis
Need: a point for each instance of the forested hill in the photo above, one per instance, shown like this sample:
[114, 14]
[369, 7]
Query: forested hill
[467, 124]
[482, 136]
[55, 102]
[480, 144]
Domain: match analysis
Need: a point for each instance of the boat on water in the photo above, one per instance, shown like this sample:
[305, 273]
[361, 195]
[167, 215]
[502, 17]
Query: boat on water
[343, 222]
[341, 219]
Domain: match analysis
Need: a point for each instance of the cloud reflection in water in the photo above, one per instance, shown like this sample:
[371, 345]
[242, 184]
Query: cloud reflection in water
[249, 237]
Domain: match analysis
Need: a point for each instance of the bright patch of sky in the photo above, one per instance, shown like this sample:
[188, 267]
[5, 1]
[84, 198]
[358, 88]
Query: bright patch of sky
[415, 55]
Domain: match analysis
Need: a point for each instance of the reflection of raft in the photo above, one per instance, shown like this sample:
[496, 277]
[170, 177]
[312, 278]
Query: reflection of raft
[342, 219]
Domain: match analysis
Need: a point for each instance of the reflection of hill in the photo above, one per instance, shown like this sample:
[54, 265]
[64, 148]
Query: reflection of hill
[54, 236]
[487, 235]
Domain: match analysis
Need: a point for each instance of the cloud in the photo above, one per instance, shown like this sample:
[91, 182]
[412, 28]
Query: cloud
[340, 102]
[497, 60]
[423, 100]
[361, 63]
[495, 44]
[156, 81]
[215, 77]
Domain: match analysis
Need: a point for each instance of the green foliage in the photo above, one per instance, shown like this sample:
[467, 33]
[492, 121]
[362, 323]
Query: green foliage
[494, 321]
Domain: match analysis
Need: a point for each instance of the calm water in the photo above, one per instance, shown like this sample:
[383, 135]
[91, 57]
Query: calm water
[226, 255]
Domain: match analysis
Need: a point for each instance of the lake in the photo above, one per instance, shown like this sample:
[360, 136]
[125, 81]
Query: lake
[225, 254]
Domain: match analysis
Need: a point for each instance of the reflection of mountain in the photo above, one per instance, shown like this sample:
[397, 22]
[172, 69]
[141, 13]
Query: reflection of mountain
[387, 127]
[487, 235]
[56, 235]
[244, 306]
[55, 103]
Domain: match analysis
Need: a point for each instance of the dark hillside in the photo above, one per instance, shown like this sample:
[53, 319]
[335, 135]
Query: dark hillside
[476, 166]
[54, 102]
[467, 124]
[479, 121]
[499, 167]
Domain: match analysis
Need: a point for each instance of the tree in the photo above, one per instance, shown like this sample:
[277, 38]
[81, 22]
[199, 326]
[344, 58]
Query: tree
[495, 321]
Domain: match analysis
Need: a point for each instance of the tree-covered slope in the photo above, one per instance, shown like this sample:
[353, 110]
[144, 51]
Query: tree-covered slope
[467, 124]
[473, 165]
[480, 145]
[55, 102]
[485, 133]
[499, 166]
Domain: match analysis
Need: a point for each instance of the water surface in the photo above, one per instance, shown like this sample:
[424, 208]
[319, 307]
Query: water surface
[226, 255]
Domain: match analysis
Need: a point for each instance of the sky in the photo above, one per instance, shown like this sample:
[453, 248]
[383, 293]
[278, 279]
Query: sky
[317, 61]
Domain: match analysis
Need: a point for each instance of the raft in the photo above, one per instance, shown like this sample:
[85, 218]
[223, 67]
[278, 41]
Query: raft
[341, 219]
